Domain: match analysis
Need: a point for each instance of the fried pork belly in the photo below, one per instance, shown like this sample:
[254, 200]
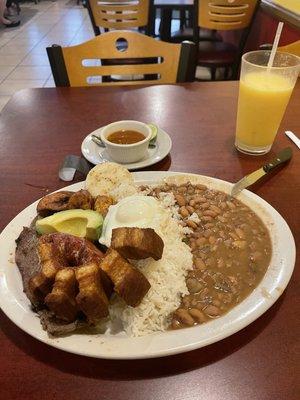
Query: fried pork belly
[102, 204]
[91, 300]
[137, 243]
[62, 299]
[60, 250]
[81, 199]
[54, 202]
[51, 262]
[129, 283]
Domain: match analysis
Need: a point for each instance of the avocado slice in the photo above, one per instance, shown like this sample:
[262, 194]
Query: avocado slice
[82, 223]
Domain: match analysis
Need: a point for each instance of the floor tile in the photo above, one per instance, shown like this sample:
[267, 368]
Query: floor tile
[35, 59]
[203, 73]
[10, 49]
[50, 82]
[10, 59]
[8, 87]
[30, 72]
[40, 48]
[3, 101]
[21, 41]
[5, 70]
[3, 41]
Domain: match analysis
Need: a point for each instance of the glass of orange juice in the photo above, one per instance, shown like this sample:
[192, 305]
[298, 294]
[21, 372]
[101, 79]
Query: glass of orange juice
[263, 97]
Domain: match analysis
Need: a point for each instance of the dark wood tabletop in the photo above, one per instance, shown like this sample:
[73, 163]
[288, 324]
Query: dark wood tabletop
[38, 127]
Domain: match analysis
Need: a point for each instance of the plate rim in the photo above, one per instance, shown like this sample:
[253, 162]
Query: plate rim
[235, 326]
[140, 164]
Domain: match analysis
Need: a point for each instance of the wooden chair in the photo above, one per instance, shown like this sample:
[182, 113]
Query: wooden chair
[223, 15]
[119, 14]
[82, 65]
[292, 48]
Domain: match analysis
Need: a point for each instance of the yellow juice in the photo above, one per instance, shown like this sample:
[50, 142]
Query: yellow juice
[263, 98]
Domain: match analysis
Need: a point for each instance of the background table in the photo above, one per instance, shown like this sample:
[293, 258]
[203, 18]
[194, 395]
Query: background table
[38, 128]
[166, 8]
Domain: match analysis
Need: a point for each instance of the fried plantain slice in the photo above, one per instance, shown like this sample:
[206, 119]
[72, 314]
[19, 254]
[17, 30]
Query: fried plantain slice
[53, 202]
[62, 299]
[102, 204]
[81, 199]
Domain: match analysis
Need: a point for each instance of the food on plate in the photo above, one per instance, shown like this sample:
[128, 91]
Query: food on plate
[103, 178]
[231, 250]
[129, 283]
[154, 130]
[77, 222]
[57, 251]
[137, 243]
[171, 255]
[54, 202]
[133, 211]
[91, 299]
[27, 258]
[81, 199]
[62, 300]
[125, 137]
[102, 204]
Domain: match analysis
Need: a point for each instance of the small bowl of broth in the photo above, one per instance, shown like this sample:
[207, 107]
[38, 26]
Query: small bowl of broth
[126, 141]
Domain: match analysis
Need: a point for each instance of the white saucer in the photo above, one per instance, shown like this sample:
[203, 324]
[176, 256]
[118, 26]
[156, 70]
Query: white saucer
[97, 155]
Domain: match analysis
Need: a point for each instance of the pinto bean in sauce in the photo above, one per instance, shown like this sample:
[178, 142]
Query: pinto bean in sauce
[231, 250]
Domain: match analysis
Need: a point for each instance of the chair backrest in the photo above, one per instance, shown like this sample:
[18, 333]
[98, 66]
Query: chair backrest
[122, 53]
[118, 14]
[225, 14]
[292, 48]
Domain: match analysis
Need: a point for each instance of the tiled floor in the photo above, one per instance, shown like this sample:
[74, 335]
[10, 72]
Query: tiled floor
[23, 59]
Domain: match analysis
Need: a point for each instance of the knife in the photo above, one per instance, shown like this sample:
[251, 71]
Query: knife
[282, 157]
[293, 138]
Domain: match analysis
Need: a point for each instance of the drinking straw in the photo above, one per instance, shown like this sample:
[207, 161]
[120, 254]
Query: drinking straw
[275, 45]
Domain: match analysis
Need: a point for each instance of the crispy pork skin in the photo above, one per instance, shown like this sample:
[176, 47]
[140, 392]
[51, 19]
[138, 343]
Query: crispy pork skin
[137, 243]
[62, 299]
[91, 300]
[129, 283]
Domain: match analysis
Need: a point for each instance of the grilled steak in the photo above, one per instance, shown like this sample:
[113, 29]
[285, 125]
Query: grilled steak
[27, 258]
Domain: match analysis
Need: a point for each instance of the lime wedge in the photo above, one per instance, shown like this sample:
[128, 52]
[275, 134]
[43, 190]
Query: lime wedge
[154, 130]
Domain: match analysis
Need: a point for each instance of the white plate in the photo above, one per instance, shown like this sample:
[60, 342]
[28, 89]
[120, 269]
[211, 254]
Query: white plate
[97, 155]
[16, 305]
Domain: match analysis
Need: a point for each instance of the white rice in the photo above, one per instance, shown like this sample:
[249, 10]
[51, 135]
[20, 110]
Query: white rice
[166, 276]
[123, 190]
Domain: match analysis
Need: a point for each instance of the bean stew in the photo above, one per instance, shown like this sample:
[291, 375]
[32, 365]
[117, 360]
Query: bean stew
[231, 250]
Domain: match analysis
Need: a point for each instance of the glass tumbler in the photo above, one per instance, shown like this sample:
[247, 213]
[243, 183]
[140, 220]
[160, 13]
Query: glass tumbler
[264, 94]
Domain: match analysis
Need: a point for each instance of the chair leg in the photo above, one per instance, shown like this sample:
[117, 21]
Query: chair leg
[182, 19]
[226, 73]
[213, 73]
[165, 24]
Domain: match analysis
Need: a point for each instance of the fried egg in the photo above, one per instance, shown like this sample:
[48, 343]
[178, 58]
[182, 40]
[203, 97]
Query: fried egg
[133, 211]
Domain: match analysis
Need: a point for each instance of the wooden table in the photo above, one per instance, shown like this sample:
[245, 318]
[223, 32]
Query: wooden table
[38, 128]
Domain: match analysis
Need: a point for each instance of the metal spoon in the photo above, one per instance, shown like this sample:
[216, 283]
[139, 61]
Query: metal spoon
[98, 141]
